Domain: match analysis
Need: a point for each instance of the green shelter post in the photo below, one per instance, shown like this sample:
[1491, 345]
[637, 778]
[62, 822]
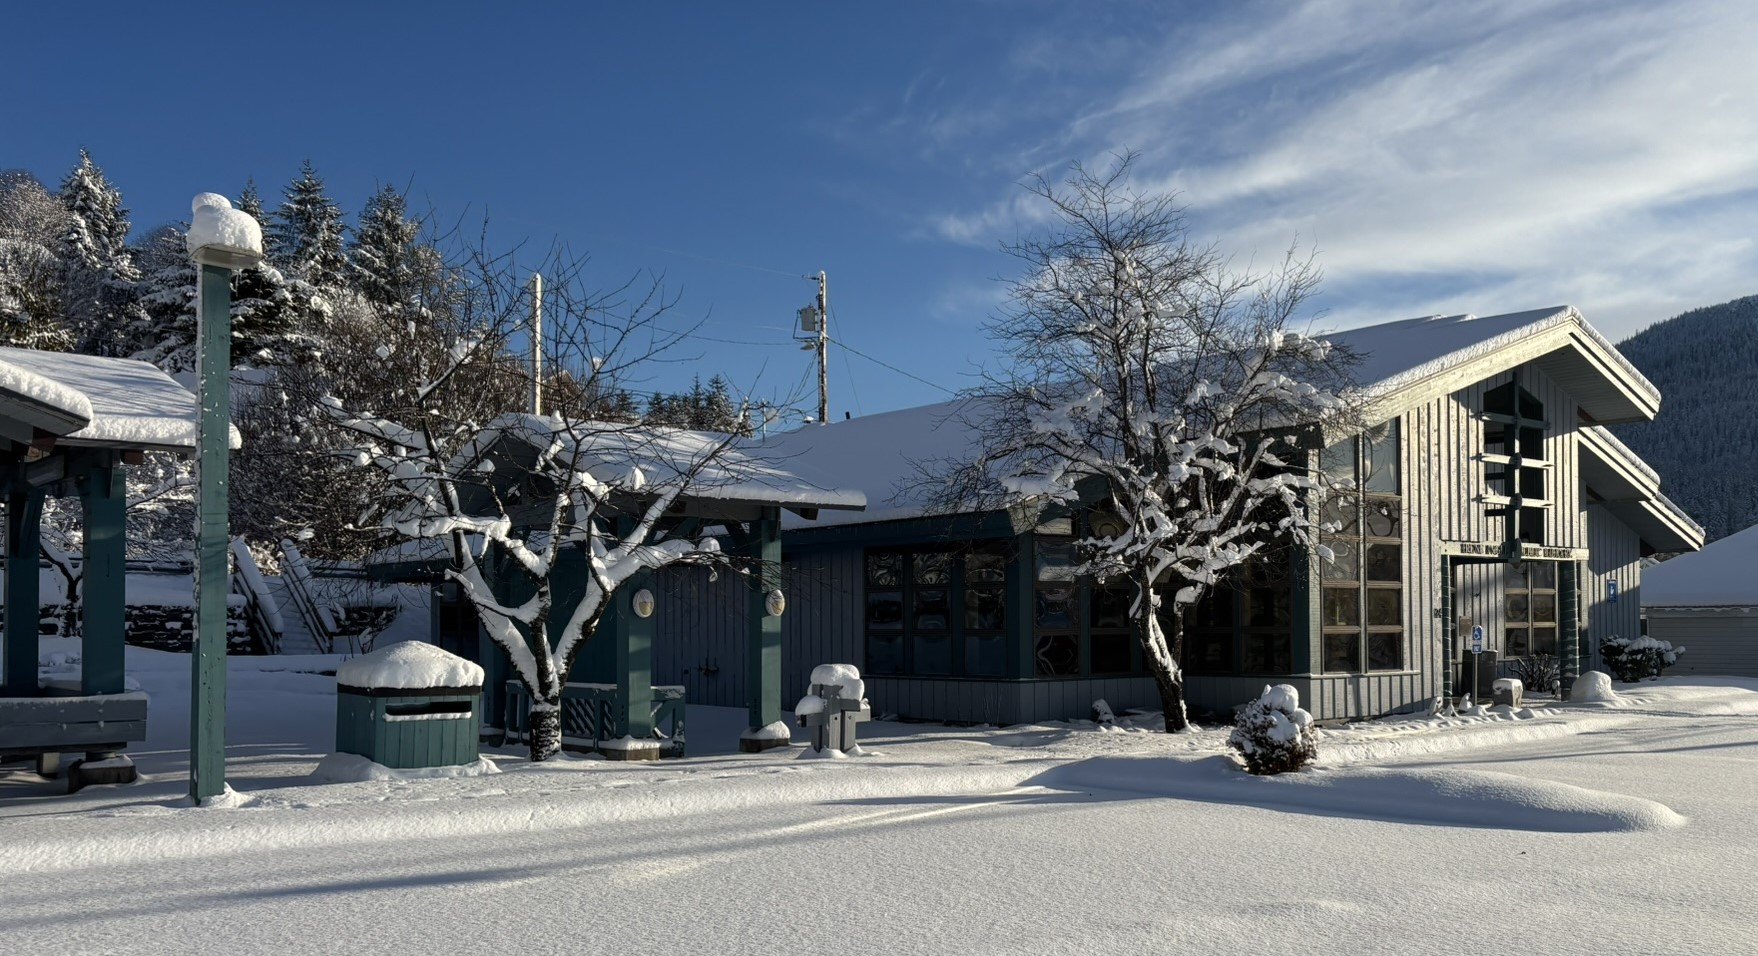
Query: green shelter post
[633, 640]
[24, 509]
[207, 706]
[103, 587]
[763, 650]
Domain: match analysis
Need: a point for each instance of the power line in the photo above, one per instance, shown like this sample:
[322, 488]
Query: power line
[885, 364]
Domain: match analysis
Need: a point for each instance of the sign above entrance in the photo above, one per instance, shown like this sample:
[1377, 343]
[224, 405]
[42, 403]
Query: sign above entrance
[1528, 552]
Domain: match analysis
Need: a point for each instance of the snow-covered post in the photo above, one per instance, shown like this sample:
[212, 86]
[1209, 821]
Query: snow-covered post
[221, 240]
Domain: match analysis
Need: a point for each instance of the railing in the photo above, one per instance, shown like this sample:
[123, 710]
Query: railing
[588, 716]
[319, 617]
[263, 615]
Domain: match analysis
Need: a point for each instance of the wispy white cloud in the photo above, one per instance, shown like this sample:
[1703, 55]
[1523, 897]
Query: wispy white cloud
[1449, 156]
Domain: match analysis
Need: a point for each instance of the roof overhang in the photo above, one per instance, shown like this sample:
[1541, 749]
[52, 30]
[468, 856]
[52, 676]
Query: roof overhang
[1557, 342]
[1623, 484]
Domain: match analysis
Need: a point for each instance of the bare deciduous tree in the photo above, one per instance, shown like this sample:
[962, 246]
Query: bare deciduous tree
[1175, 391]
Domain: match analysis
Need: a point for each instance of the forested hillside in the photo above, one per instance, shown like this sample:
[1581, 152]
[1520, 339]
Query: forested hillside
[1705, 442]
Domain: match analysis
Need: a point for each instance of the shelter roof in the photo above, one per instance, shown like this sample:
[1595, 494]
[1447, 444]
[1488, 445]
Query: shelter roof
[705, 464]
[126, 404]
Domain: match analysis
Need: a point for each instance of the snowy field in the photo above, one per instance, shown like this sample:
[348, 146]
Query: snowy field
[1620, 828]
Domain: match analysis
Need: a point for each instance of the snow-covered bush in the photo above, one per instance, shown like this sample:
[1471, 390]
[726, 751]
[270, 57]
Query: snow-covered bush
[1273, 734]
[1638, 658]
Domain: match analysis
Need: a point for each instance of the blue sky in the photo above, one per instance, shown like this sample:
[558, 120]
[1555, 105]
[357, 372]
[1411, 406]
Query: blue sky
[1438, 157]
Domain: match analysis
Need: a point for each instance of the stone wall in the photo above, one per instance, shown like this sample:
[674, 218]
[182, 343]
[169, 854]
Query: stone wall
[164, 627]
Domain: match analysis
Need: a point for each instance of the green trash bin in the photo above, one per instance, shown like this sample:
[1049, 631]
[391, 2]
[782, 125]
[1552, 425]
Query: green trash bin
[409, 705]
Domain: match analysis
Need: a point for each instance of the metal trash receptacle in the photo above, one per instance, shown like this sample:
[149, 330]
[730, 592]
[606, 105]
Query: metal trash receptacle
[1509, 691]
[409, 705]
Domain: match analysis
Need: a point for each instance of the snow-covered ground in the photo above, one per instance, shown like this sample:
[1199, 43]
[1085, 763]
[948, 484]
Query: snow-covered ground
[1622, 827]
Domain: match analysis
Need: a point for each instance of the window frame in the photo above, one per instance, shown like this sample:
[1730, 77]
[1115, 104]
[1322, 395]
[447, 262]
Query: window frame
[1348, 648]
[959, 589]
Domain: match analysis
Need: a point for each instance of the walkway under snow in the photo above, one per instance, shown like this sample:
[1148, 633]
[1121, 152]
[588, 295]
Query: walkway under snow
[1595, 830]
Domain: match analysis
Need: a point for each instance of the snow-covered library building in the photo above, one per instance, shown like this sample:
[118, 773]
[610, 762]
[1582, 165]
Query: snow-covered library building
[1486, 441]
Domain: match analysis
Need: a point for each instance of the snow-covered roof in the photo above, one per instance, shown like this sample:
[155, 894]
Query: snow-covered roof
[1723, 574]
[1401, 364]
[877, 454]
[128, 404]
[1411, 361]
[746, 471]
[38, 402]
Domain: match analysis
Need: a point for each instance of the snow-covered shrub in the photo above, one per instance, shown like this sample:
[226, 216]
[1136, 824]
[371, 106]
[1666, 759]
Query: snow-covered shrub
[1273, 734]
[1637, 658]
[1540, 672]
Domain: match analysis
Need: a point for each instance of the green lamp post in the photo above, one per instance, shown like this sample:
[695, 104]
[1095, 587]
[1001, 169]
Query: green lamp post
[221, 240]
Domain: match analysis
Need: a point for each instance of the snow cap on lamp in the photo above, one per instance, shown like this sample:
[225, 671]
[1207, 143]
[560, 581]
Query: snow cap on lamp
[222, 236]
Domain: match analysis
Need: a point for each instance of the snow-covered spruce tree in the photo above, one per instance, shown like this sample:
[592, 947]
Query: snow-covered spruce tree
[1143, 366]
[98, 273]
[1273, 734]
[168, 295]
[383, 255]
[513, 497]
[250, 201]
[307, 231]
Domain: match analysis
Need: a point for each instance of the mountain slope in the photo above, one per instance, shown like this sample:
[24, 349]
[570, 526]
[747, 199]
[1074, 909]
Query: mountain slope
[1705, 442]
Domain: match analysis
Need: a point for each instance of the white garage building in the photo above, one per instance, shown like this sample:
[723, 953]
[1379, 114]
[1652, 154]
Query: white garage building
[1708, 603]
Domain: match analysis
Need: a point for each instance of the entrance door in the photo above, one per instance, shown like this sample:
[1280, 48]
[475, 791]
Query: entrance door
[1530, 609]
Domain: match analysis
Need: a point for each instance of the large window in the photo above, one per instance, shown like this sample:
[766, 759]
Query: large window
[1514, 461]
[1245, 623]
[937, 612]
[1361, 607]
[1079, 627]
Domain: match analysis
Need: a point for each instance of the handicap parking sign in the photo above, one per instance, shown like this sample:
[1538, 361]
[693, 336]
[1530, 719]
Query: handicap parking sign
[1477, 639]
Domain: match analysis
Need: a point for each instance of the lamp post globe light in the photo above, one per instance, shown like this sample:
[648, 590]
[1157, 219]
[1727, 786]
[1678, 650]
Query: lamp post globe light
[221, 240]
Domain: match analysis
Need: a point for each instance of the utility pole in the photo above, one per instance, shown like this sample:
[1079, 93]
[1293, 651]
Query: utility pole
[536, 343]
[823, 349]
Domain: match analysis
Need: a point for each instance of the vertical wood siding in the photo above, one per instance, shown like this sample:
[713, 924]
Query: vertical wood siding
[1444, 483]
[1617, 556]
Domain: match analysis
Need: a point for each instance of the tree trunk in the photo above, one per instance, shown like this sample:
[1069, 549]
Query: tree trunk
[1172, 701]
[1161, 653]
[546, 728]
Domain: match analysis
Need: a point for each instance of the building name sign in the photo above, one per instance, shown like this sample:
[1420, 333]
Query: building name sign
[1528, 552]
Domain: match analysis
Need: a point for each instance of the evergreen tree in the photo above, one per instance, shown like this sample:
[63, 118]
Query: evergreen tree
[168, 296]
[250, 201]
[382, 254]
[99, 298]
[307, 232]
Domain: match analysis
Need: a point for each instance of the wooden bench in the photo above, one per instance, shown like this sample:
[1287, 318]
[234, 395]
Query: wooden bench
[98, 726]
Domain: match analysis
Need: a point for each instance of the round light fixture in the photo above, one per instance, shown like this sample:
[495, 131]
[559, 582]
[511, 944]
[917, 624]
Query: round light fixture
[775, 602]
[642, 602]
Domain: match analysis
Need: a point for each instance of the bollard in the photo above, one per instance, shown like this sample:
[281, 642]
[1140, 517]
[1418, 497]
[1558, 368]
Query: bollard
[833, 705]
